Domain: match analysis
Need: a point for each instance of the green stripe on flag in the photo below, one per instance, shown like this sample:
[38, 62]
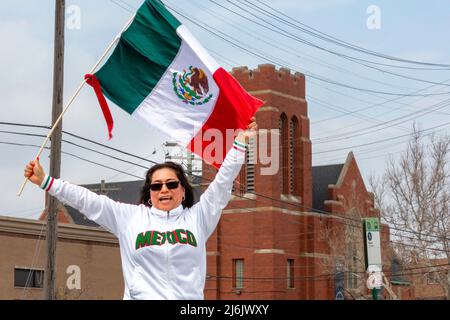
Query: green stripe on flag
[143, 54]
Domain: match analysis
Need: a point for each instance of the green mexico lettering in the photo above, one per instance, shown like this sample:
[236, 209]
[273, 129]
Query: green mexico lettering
[158, 238]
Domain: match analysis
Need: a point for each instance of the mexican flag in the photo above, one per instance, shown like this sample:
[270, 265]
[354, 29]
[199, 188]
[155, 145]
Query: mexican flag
[159, 73]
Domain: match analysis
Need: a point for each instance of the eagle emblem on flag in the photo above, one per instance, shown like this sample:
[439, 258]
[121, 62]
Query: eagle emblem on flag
[192, 86]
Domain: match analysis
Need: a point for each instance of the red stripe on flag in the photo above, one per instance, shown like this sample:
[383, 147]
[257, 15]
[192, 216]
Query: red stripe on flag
[94, 83]
[233, 110]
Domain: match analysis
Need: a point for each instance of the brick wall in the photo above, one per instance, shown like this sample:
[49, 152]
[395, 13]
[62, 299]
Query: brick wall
[94, 251]
[267, 227]
[274, 223]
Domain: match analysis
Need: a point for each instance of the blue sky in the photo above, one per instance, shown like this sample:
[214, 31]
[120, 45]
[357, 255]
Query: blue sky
[413, 30]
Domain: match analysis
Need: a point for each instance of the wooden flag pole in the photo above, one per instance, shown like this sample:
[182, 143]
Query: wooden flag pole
[74, 96]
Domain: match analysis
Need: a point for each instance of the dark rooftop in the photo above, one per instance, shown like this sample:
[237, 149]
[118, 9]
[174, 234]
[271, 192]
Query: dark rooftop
[322, 176]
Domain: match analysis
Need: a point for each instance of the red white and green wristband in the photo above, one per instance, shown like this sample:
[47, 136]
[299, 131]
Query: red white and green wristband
[239, 146]
[47, 183]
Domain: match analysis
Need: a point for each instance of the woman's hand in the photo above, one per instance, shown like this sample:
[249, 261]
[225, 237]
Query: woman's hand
[34, 172]
[245, 136]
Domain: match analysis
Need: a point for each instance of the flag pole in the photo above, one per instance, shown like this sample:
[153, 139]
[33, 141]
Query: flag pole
[75, 95]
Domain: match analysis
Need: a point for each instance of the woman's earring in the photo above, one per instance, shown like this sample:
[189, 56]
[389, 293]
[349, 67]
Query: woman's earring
[149, 202]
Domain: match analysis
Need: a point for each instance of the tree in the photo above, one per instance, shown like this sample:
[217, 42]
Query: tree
[413, 196]
[345, 242]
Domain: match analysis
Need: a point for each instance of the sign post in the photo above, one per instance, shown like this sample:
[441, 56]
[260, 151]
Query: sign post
[374, 280]
[339, 282]
[372, 247]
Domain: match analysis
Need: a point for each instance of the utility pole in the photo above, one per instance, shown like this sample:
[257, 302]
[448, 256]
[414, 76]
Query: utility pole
[55, 154]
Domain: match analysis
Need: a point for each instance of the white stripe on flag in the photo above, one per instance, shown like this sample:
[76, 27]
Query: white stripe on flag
[170, 114]
[191, 41]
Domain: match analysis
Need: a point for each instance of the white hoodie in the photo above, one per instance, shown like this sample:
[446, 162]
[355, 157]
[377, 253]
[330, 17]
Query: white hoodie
[163, 253]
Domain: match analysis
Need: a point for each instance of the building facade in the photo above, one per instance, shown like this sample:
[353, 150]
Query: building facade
[87, 265]
[290, 231]
[295, 234]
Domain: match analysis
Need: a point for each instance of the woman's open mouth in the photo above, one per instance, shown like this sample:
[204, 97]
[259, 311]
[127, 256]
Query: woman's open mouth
[165, 199]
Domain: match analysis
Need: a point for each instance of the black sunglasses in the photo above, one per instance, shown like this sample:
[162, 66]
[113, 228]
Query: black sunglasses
[158, 186]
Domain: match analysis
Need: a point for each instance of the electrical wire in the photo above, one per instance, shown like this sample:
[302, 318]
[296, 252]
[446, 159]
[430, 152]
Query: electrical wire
[197, 23]
[358, 48]
[209, 180]
[244, 47]
[384, 125]
[294, 37]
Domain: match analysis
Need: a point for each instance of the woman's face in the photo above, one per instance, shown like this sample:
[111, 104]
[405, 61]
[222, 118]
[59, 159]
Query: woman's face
[166, 199]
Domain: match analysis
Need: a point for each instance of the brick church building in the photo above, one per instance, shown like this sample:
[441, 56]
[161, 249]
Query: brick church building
[287, 235]
[295, 234]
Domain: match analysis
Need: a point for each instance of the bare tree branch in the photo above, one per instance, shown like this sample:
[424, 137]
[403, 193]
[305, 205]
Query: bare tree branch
[413, 196]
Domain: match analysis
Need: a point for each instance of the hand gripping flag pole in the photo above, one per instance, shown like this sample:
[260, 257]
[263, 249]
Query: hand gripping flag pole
[87, 79]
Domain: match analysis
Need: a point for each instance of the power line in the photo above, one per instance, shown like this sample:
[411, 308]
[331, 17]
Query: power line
[244, 47]
[382, 140]
[377, 104]
[436, 83]
[201, 177]
[75, 136]
[208, 180]
[207, 30]
[385, 124]
[234, 245]
[37, 250]
[75, 144]
[271, 43]
[246, 50]
[266, 13]
[70, 154]
[337, 109]
[283, 47]
[340, 42]
[91, 150]
[327, 275]
[419, 90]
[297, 38]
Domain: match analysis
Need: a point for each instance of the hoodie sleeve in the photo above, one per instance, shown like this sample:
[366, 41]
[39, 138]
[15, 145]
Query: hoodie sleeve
[108, 213]
[218, 193]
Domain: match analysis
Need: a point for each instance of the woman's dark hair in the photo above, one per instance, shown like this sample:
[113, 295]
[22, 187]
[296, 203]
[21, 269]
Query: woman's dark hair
[178, 169]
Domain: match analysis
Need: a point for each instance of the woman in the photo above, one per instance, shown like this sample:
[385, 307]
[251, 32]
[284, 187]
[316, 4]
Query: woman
[162, 240]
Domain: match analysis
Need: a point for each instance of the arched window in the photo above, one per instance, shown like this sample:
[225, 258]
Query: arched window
[246, 178]
[294, 164]
[250, 164]
[284, 153]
